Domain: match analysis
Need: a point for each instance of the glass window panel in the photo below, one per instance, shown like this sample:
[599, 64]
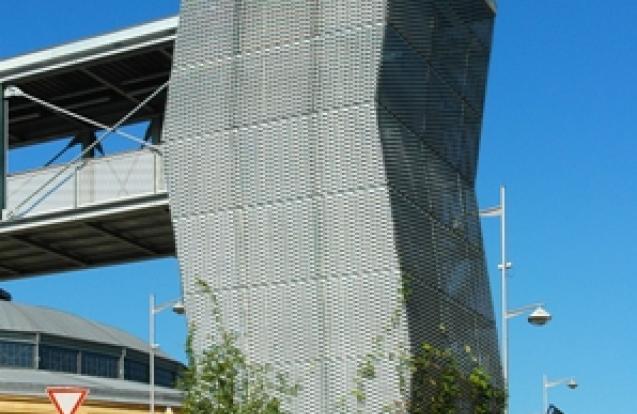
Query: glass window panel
[53, 358]
[164, 377]
[16, 354]
[136, 371]
[99, 365]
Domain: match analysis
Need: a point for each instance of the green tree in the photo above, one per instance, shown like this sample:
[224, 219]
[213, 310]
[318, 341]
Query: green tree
[485, 397]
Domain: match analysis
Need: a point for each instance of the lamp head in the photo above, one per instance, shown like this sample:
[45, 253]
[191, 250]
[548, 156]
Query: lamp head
[539, 317]
[179, 308]
[572, 384]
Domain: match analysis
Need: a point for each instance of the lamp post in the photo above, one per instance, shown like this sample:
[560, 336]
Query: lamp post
[546, 384]
[538, 316]
[178, 308]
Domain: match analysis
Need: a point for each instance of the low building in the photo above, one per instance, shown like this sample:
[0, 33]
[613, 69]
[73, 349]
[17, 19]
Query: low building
[41, 348]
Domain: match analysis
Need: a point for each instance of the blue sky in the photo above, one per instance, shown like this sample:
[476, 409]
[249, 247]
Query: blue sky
[559, 130]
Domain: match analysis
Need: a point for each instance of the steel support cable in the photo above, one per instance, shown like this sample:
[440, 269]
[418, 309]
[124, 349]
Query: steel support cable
[71, 143]
[59, 154]
[14, 91]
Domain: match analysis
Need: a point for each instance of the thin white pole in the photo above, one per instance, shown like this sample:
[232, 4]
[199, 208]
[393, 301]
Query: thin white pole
[151, 353]
[504, 295]
[545, 394]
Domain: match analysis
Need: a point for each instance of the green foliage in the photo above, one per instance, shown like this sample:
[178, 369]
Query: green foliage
[220, 380]
[485, 397]
[438, 385]
[436, 381]
[430, 379]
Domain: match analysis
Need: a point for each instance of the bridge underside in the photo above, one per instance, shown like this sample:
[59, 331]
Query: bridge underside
[113, 233]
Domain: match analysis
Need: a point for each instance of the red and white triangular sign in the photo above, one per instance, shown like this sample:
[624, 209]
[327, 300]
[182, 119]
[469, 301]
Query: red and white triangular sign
[67, 399]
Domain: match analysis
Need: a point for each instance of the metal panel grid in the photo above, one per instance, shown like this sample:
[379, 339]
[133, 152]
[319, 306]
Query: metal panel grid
[318, 155]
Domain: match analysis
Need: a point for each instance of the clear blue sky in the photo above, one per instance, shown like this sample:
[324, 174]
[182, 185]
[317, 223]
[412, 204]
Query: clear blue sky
[559, 130]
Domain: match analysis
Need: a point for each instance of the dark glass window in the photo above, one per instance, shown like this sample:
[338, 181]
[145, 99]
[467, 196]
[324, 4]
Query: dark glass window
[53, 358]
[165, 377]
[99, 365]
[16, 354]
[136, 371]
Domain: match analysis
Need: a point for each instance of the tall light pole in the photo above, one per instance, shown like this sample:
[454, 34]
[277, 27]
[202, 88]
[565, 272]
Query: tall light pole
[546, 384]
[538, 316]
[178, 308]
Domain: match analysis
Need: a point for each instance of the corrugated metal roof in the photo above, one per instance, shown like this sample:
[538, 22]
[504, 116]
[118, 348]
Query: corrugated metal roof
[26, 382]
[101, 78]
[34, 319]
[91, 48]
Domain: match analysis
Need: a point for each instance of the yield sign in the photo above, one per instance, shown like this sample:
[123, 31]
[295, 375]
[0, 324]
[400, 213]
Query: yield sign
[67, 399]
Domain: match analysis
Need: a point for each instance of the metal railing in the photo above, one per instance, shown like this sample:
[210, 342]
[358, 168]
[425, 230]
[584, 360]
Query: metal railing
[88, 182]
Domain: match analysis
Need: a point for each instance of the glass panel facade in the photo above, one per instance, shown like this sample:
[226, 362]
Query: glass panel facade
[136, 371]
[18, 350]
[16, 354]
[53, 358]
[165, 377]
[99, 365]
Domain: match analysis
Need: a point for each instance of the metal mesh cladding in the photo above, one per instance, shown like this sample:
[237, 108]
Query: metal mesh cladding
[318, 153]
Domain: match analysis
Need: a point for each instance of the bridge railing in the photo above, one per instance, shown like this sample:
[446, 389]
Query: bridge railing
[90, 182]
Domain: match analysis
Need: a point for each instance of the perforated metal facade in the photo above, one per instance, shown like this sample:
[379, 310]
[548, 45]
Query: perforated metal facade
[318, 155]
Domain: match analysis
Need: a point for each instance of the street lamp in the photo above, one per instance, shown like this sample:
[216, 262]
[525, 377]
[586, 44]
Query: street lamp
[546, 384]
[538, 317]
[177, 307]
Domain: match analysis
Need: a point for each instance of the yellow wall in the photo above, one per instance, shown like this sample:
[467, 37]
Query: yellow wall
[25, 405]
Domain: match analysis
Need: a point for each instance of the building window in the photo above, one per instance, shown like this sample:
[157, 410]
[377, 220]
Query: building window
[136, 371]
[53, 358]
[16, 354]
[164, 377]
[99, 365]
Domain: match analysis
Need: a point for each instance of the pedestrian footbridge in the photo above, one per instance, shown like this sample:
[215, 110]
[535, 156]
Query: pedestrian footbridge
[100, 207]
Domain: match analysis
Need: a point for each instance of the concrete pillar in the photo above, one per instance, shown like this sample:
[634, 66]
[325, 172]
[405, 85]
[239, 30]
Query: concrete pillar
[4, 145]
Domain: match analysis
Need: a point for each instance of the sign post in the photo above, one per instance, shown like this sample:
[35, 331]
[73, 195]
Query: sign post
[67, 400]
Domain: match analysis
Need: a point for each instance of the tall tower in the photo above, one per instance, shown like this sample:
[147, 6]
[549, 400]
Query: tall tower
[321, 155]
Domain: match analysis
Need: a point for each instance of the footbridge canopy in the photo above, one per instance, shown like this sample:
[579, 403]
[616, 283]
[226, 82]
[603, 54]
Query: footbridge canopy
[99, 208]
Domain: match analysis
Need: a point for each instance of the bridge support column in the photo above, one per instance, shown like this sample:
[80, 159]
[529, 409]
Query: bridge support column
[4, 145]
[154, 130]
